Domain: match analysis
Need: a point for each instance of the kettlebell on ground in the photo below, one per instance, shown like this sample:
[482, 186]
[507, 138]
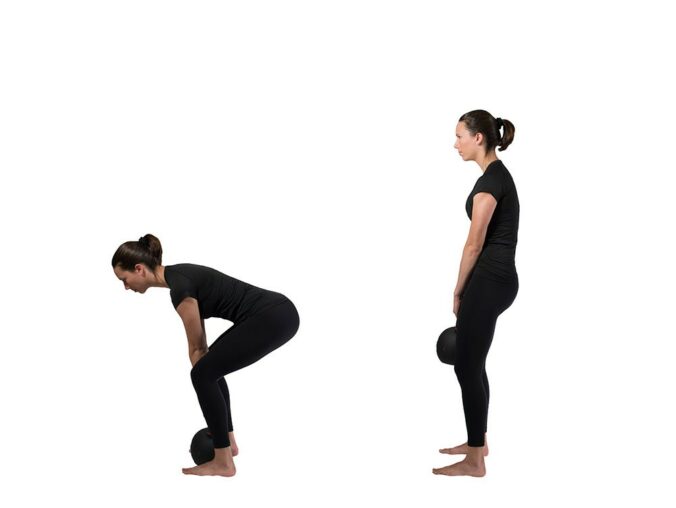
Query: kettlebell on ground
[202, 446]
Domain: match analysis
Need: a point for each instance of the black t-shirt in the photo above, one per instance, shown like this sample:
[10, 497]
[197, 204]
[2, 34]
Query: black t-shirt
[496, 260]
[217, 294]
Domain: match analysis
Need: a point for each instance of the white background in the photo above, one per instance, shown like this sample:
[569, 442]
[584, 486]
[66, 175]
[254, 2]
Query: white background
[306, 147]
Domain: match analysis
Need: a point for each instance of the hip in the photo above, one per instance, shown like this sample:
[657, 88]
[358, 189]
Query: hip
[493, 294]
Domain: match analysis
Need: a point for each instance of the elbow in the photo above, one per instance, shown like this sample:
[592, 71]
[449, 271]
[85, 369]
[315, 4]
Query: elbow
[473, 249]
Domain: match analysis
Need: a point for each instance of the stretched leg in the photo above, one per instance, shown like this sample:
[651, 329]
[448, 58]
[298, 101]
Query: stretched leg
[488, 395]
[241, 345]
[475, 328]
[483, 301]
[463, 449]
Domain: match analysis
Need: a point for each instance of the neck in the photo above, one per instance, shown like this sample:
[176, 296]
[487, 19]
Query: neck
[486, 159]
[159, 280]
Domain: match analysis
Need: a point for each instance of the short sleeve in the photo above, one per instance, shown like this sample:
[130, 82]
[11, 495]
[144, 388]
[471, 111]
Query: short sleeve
[491, 183]
[181, 289]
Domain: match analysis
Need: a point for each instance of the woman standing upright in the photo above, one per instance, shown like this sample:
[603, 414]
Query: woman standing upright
[262, 321]
[488, 281]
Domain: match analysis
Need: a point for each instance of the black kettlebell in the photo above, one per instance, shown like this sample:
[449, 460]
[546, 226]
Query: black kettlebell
[202, 447]
[446, 346]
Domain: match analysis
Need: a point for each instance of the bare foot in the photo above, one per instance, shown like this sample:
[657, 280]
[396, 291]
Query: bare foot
[463, 468]
[462, 449]
[211, 468]
[233, 444]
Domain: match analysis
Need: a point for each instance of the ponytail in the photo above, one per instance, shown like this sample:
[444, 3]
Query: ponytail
[146, 250]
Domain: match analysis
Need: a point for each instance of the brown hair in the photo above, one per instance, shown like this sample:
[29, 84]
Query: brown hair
[483, 122]
[146, 250]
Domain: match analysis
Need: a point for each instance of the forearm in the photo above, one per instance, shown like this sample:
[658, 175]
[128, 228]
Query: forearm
[470, 255]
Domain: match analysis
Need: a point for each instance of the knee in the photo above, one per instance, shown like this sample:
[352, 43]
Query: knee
[460, 370]
[466, 372]
[199, 374]
[195, 376]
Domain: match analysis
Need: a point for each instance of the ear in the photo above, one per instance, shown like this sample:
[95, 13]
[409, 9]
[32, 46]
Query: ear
[478, 138]
[139, 269]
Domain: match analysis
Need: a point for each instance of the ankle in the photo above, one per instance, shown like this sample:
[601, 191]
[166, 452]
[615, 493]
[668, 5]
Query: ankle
[475, 452]
[224, 456]
[474, 459]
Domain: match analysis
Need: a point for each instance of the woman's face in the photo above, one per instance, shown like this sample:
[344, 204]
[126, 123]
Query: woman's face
[135, 280]
[466, 143]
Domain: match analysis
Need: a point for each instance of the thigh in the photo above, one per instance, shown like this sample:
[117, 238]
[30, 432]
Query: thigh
[476, 321]
[248, 341]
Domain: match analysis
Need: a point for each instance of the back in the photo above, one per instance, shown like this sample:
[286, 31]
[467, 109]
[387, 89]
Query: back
[217, 294]
[497, 258]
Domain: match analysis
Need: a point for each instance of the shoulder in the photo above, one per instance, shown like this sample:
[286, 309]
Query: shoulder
[496, 168]
[179, 275]
[505, 177]
[494, 175]
[500, 170]
[188, 269]
[196, 272]
[492, 181]
[181, 282]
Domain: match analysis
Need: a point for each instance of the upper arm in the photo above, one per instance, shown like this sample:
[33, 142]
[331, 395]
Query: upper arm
[189, 311]
[483, 206]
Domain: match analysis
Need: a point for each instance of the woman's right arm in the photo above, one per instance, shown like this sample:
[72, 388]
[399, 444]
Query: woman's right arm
[197, 339]
[483, 206]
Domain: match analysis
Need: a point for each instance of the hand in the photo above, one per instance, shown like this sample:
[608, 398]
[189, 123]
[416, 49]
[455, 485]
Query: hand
[456, 305]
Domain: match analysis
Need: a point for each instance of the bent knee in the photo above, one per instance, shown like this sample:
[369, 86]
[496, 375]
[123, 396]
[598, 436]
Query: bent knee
[201, 373]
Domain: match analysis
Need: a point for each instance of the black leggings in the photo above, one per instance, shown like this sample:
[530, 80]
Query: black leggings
[482, 302]
[239, 346]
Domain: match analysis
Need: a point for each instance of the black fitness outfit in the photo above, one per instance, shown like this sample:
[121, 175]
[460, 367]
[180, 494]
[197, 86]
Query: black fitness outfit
[490, 290]
[262, 321]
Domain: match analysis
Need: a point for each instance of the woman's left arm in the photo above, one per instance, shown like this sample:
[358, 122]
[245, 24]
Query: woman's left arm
[483, 206]
[188, 309]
